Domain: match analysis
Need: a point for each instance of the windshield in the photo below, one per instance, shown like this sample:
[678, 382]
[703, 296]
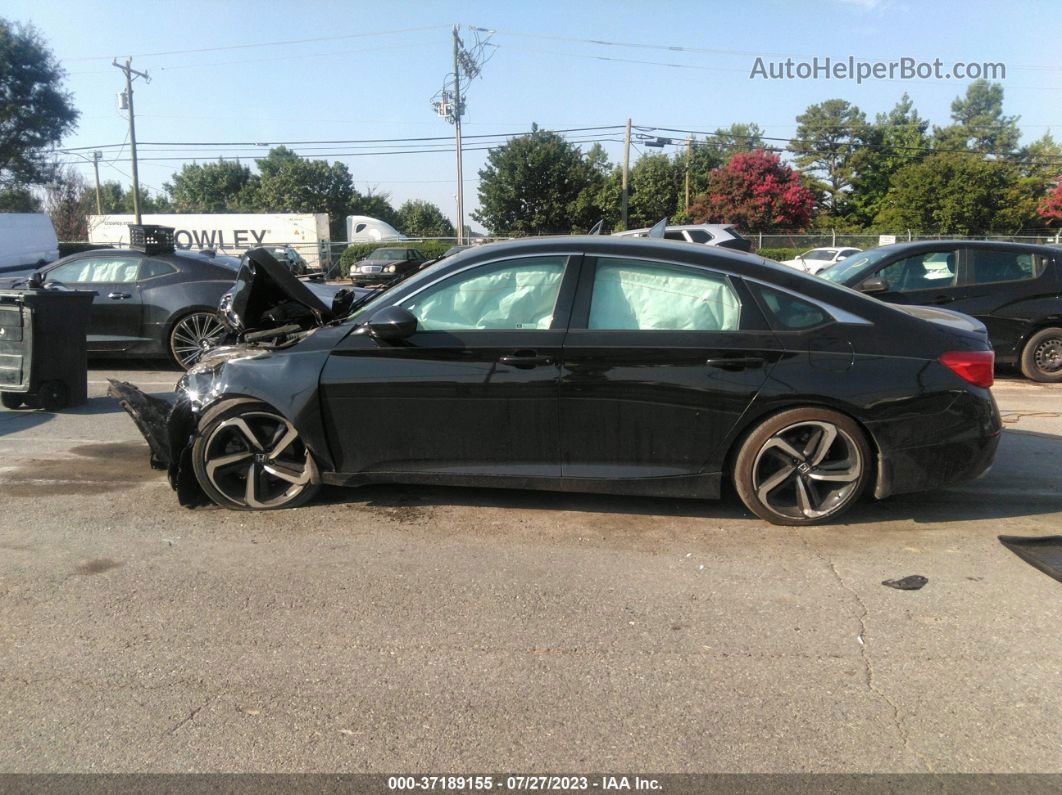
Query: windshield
[388, 253]
[847, 268]
[818, 253]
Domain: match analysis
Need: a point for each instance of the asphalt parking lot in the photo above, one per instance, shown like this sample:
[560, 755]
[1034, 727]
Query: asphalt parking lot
[398, 629]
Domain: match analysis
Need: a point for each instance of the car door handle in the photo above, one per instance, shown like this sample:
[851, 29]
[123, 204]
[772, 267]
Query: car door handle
[119, 296]
[942, 299]
[524, 360]
[735, 362]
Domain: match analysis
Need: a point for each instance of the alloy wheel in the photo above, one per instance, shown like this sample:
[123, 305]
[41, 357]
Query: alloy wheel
[808, 470]
[257, 460]
[194, 335]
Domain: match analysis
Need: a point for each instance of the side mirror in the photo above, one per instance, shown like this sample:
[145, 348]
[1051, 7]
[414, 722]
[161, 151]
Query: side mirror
[392, 323]
[874, 284]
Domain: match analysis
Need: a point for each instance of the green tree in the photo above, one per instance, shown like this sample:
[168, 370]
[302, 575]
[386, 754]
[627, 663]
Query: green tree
[532, 184]
[979, 123]
[417, 218]
[19, 199]
[895, 139]
[724, 144]
[291, 184]
[223, 186]
[960, 194]
[1042, 159]
[374, 205]
[827, 138]
[600, 198]
[697, 160]
[35, 112]
[654, 190]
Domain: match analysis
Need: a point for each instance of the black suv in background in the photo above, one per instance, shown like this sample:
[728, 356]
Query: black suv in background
[384, 265]
[1013, 288]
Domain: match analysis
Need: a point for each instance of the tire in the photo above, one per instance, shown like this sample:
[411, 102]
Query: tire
[247, 456]
[1041, 358]
[11, 400]
[803, 466]
[53, 396]
[192, 335]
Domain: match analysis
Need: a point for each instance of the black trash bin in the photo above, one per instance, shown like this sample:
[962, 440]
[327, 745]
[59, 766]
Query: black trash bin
[42, 347]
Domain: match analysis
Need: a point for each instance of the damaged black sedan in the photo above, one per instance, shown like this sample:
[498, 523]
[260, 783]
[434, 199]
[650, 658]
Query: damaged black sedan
[580, 364]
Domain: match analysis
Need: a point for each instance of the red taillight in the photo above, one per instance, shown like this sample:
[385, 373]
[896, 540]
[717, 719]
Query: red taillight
[973, 366]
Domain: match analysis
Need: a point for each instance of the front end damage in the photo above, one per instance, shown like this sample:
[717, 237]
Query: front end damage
[267, 311]
[169, 429]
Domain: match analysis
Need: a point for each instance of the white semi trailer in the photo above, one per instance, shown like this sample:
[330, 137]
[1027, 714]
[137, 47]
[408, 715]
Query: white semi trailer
[228, 233]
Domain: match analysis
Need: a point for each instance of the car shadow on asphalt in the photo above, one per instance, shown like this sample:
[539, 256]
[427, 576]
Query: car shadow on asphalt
[1009, 490]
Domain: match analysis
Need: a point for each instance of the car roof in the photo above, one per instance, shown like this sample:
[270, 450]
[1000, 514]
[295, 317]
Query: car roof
[921, 245]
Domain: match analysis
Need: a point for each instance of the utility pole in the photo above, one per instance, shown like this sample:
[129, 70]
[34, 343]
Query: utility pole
[96, 167]
[689, 156]
[450, 104]
[458, 110]
[626, 170]
[129, 71]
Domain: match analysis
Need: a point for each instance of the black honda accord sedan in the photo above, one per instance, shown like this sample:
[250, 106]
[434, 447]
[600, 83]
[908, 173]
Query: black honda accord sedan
[590, 364]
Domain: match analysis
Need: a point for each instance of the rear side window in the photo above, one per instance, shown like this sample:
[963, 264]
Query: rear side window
[151, 268]
[927, 271]
[699, 235]
[787, 312]
[988, 266]
[638, 295]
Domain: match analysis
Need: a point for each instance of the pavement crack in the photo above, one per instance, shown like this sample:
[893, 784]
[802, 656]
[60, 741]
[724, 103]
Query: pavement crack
[190, 716]
[899, 718]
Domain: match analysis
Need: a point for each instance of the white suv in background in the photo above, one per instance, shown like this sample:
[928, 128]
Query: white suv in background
[820, 258]
[724, 235]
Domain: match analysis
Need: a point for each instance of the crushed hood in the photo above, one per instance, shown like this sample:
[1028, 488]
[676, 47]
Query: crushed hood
[266, 294]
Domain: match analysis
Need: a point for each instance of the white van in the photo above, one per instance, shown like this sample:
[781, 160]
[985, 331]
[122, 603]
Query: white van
[27, 241]
[364, 229]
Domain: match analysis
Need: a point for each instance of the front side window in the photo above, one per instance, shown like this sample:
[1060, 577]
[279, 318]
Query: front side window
[512, 294]
[927, 271]
[988, 266]
[634, 294]
[95, 270]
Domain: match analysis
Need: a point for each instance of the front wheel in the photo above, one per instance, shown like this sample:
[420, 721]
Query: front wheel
[193, 335]
[803, 466]
[250, 457]
[1041, 358]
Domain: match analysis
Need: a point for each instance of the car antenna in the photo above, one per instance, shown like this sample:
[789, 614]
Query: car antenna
[658, 228]
[596, 228]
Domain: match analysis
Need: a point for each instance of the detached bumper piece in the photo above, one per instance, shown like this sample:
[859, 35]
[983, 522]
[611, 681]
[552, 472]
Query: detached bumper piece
[168, 429]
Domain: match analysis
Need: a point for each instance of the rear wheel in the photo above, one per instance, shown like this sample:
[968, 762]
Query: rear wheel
[1041, 358]
[802, 466]
[250, 457]
[193, 335]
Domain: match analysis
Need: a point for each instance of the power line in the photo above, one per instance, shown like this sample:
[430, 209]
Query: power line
[263, 44]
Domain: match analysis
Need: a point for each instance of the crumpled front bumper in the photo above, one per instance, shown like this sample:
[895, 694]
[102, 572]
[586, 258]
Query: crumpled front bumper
[169, 429]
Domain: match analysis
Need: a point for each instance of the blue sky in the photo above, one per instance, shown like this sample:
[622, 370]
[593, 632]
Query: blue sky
[380, 85]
